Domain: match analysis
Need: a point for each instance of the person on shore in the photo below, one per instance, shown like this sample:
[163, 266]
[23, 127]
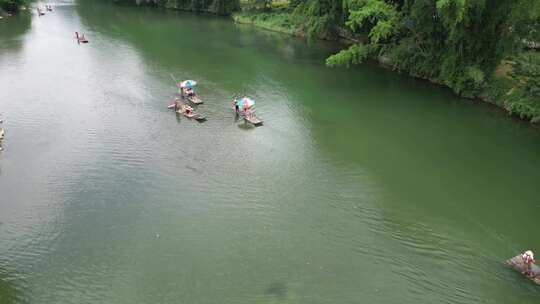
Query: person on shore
[528, 259]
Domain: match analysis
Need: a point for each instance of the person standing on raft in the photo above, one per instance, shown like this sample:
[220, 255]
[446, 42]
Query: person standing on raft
[235, 104]
[528, 259]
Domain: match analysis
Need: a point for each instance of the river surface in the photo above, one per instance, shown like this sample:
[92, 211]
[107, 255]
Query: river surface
[363, 186]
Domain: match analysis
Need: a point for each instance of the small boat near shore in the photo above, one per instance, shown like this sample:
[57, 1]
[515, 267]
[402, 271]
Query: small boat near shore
[519, 265]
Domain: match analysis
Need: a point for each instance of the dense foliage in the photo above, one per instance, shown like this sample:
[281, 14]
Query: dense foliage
[523, 98]
[220, 7]
[458, 42]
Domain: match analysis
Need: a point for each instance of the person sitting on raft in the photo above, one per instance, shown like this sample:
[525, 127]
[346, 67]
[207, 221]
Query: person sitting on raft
[528, 259]
[186, 109]
[176, 103]
[189, 92]
[248, 113]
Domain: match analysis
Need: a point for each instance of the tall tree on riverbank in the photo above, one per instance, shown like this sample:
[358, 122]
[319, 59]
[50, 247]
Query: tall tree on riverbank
[457, 42]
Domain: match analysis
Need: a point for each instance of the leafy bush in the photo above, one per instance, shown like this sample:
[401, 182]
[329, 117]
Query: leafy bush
[525, 98]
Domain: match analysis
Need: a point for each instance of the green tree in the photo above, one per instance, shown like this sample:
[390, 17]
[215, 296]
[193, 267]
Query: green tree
[525, 97]
[379, 19]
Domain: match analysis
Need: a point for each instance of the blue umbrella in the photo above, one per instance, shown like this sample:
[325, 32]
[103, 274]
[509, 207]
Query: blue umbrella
[188, 83]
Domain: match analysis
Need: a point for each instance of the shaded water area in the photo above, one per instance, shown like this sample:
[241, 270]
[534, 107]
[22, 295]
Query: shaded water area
[363, 186]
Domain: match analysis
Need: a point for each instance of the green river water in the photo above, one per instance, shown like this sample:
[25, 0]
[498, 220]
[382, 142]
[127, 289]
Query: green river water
[363, 186]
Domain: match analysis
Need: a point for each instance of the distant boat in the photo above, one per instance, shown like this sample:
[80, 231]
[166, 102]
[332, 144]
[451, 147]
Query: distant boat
[81, 38]
[40, 12]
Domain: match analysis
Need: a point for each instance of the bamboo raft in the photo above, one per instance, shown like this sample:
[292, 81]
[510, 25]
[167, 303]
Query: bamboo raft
[2, 134]
[517, 264]
[194, 99]
[192, 115]
[253, 119]
[40, 12]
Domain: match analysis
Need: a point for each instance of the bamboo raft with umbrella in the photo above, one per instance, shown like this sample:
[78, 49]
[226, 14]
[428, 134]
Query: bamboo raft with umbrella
[519, 265]
[184, 109]
[186, 91]
[244, 107]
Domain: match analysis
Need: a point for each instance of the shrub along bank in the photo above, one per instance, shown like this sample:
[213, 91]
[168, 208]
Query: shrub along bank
[219, 7]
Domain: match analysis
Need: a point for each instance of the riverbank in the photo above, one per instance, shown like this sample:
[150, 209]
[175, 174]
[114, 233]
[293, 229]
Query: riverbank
[275, 21]
[217, 7]
[505, 89]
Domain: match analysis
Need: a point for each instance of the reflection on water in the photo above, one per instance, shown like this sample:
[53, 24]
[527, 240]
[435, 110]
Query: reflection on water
[12, 30]
[9, 292]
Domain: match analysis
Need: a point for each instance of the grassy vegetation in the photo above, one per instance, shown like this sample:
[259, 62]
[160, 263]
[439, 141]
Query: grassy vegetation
[277, 17]
[274, 21]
